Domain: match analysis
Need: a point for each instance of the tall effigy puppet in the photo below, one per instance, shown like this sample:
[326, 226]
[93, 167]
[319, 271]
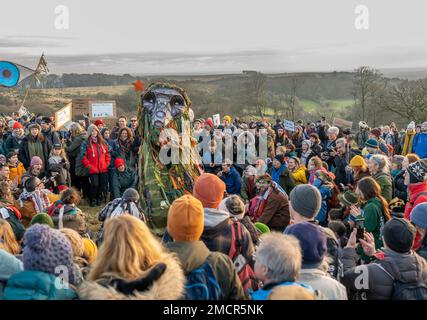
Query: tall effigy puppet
[168, 158]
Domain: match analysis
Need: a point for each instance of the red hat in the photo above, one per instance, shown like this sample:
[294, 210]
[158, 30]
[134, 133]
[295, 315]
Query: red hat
[17, 125]
[119, 162]
[99, 121]
[209, 122]
[376, 132]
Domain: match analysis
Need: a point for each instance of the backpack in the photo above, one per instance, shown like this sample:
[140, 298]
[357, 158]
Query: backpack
[244, 270]
[80, 169]
[414, 290]
[202, 284]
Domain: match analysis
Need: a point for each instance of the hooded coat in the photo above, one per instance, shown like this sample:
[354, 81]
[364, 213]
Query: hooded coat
[169, 286]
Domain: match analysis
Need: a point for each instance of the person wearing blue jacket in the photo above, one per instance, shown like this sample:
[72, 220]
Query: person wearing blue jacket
[231, 178]
[47, 257]
[9, 265]
[419, 145]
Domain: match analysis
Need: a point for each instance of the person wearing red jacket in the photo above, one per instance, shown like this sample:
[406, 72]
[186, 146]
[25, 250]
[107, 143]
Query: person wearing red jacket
[415, 179]
[96, 159]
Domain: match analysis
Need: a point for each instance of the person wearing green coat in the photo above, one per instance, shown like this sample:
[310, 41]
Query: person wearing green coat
[375, 211]
[122, 179]
[379, 168]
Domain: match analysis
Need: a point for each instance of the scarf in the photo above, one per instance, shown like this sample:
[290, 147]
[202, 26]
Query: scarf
[407, 146]
[125, 146]
[275, 173]
[39, 199]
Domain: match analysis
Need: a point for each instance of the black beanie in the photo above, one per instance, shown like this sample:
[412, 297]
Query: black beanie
[399, 235]
[280, 158]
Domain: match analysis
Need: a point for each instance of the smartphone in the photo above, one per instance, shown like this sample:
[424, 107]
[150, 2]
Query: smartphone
[360, 225]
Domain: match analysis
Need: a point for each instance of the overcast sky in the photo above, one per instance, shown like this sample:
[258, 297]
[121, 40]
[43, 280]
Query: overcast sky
[198, 36]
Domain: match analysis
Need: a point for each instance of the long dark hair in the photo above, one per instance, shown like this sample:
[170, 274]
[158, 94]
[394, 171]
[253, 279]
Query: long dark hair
[371, 189]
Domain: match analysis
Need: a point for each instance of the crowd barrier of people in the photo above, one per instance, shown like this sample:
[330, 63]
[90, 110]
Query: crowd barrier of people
[328, 214]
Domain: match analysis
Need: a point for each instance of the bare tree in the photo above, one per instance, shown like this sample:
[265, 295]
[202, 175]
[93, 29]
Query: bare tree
[292, 100]
[255, 91]
[408, 100]
[364, 82]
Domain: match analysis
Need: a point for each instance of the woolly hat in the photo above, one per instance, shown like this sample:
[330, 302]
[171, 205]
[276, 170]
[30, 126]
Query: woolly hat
[306, 200]
[200, 120]
[186, 219]
[358, 162]
[376, 132]
[312, 241]
[99, 122]
[17, 125]
[42, 218]
[348, 198]
[90, 250]
[233, 205]
[399, 235]
[209, 189]
[46, 249]
[34, 125]
[261, 227]
[419, 215]
[227, 118]
[119, 162]
[130, 194]
[372, 143]
[209, 122]
[307, 142]
[417, 171]
[75, 240]
[36, 160]
[411, 125]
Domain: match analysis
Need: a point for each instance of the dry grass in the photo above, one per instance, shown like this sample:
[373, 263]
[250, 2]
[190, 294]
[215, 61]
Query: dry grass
[91, 216]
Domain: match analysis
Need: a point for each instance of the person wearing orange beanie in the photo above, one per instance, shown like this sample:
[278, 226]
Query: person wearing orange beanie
[209, 189]
[185, 224]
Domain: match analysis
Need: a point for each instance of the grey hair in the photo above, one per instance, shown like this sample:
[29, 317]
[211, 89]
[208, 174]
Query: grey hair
[382, 161]
[334, 130]
[282, 256]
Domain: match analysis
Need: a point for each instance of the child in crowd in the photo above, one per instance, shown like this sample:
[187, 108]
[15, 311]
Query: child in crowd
[58, 160]
[16, 168]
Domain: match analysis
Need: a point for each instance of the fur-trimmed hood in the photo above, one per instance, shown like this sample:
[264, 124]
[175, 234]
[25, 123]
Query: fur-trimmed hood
[170, 286]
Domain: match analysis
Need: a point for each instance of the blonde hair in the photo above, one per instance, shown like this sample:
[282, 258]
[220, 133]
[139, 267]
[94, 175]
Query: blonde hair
[128, 250]
[63, 154]
[7, 238]
[76, 129]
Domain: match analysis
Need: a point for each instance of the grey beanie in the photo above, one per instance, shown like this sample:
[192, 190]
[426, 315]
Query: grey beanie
[46, 249]
[306, 200]
[131, 194]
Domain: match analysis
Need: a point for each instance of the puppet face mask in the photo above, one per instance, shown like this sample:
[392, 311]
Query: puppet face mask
[163, 105]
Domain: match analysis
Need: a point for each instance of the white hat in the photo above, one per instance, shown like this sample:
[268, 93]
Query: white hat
[411, 125]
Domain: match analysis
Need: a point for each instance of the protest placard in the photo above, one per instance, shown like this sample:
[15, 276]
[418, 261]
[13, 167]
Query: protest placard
[342, 123]
[63, 116]
[216, 119]
[289, 125]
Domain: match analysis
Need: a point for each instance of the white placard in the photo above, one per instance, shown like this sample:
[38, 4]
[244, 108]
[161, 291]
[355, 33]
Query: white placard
[289, 125]
[63, 116]
[102, 109]
[216, 119]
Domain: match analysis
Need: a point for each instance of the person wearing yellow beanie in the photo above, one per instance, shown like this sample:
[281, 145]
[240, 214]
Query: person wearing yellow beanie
[359, 168]
[185, 225]
[90, 250]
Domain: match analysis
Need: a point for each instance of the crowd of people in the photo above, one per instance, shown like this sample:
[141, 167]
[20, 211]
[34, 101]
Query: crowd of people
[328, 214]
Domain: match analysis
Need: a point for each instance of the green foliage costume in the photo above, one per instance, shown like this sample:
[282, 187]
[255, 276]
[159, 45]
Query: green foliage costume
[166, 134]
